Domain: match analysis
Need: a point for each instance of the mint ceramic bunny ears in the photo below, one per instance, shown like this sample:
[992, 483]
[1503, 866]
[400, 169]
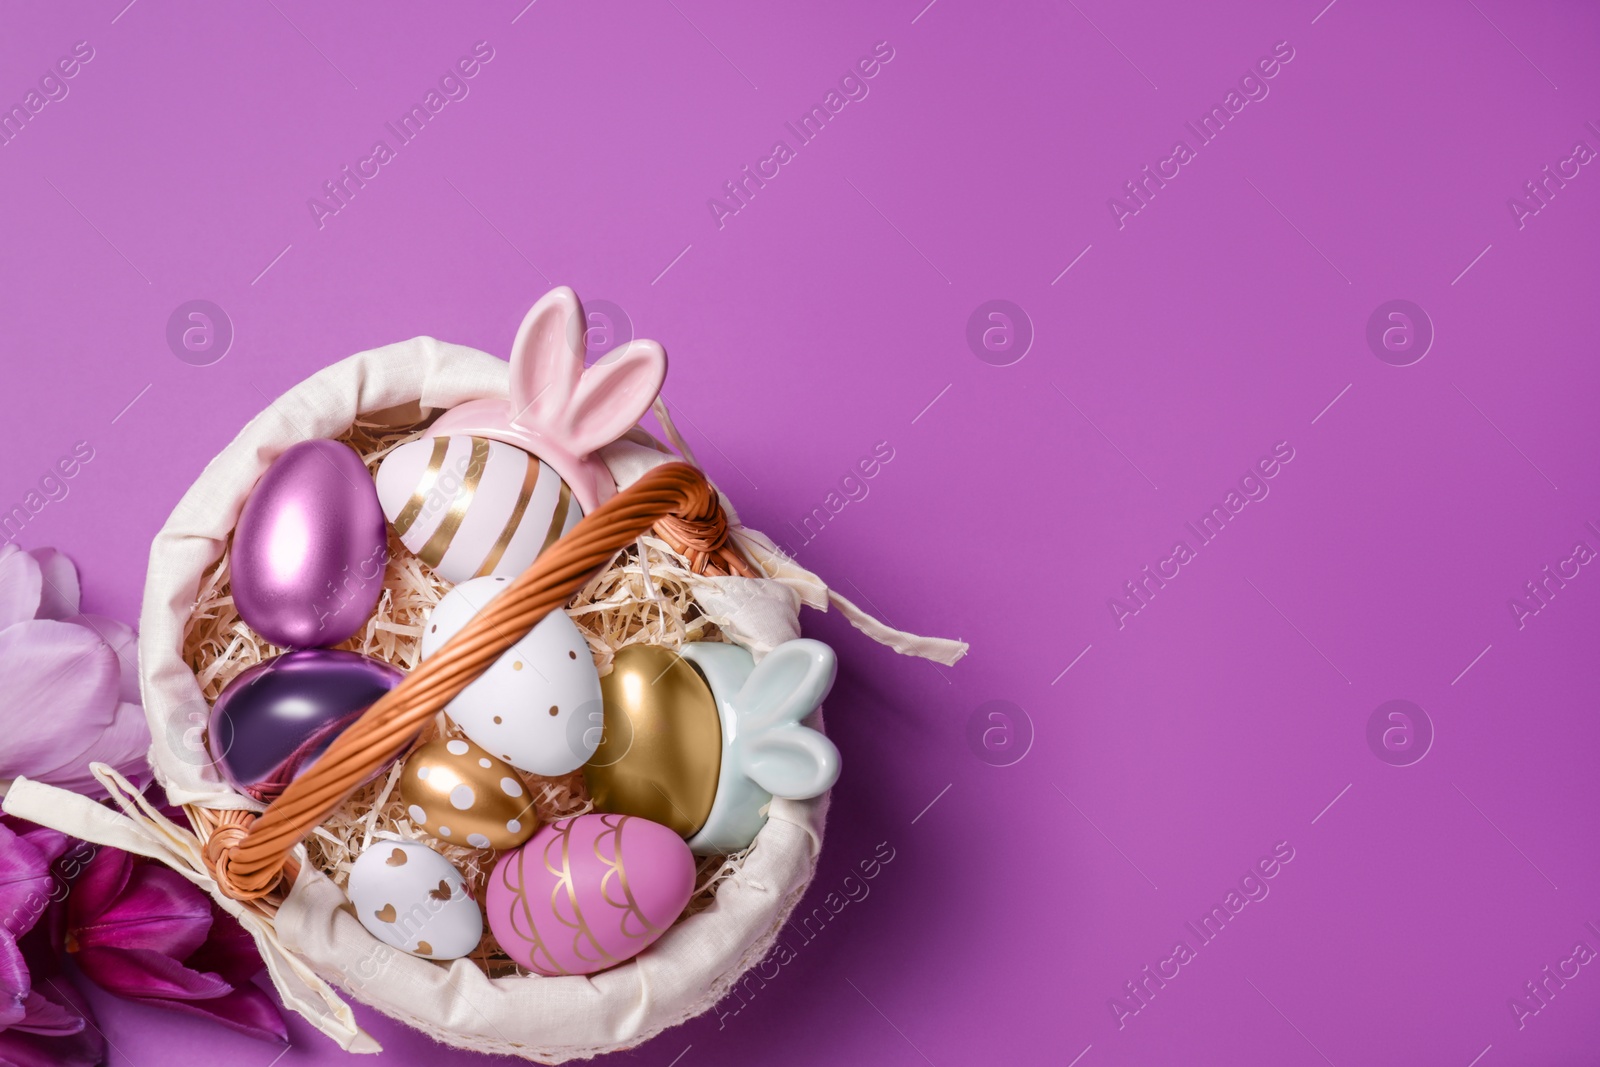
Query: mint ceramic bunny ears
[560, 411]
[766, 752]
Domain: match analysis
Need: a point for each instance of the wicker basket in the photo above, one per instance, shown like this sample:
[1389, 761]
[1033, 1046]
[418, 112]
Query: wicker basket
[316, 952]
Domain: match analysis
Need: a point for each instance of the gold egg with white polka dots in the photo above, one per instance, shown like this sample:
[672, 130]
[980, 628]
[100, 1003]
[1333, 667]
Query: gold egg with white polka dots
[460, 793]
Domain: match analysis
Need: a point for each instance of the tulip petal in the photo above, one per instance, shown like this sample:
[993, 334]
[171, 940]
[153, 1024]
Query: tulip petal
[97, 887]
[63, 1042]
[25, 882]
[247, 1010]
[60, 693]
[158, 911]
[58, 594]
[20, 584]
[45, 1016]
[148, 975]
[15, 981]
[229, 951]
[52, 844]
[125, 643]
[124, 745]
[19, 1049]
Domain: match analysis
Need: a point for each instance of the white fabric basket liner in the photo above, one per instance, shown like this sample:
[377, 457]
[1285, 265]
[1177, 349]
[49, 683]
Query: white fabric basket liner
[315, 943]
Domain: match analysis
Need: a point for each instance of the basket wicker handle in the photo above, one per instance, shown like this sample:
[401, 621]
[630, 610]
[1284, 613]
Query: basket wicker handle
[247, 855]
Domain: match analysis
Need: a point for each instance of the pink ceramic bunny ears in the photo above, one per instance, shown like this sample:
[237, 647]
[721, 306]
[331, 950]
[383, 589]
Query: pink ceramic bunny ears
[559, 410]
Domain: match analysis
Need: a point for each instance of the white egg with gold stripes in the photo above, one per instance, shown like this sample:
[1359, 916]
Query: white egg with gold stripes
[470, 507]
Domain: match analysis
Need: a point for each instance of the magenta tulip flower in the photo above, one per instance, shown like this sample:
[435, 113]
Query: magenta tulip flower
[142, 931]
[71, 691]
[44, 1021]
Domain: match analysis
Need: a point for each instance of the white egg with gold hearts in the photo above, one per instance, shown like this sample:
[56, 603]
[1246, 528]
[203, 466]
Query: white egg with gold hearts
[413, 899]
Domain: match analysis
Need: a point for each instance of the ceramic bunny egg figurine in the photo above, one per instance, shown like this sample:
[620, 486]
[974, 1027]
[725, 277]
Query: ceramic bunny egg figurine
[494, 482]
[702, 739]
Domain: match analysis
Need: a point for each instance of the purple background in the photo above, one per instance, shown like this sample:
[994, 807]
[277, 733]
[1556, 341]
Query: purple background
[1228, 715]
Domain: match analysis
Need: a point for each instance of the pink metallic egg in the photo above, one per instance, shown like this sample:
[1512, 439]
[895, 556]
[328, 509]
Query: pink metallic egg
[588, 893]
[310, 548]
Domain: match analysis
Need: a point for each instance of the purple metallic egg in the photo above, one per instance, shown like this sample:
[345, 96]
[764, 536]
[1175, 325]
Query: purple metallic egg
[273, 721]
[310, 548]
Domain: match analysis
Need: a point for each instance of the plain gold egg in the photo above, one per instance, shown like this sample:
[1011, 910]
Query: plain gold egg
[460, 793]
[661, 749]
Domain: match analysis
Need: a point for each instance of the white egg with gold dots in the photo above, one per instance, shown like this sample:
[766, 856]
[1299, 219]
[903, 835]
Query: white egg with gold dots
[538, 706]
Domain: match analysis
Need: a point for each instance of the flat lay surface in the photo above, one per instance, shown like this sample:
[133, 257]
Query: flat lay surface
[1224, 375]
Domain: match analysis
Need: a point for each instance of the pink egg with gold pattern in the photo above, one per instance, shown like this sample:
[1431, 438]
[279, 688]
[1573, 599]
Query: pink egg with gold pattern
[588, 893]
